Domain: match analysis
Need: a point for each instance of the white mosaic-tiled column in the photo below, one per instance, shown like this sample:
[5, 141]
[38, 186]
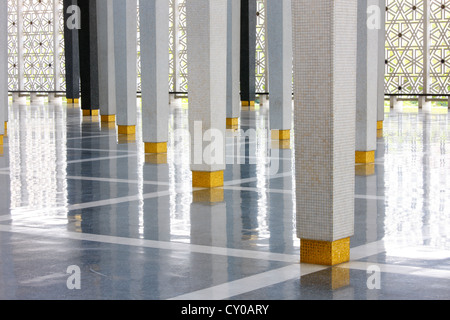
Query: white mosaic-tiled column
[381, 65]
[324, 42]
[106, 62]
[279, 29]
[3, 68]
[125, 55]
[233, 63]
[367, 82]
[207, 64]
[154, 15]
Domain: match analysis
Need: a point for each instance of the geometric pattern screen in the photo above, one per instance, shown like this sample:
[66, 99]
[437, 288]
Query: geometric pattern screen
[408, 61]
[440, 46]
[36, 46]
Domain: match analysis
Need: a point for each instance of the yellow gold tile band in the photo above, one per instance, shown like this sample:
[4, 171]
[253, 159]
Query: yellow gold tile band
[281, 134]
[157, 147]
[90, 113]
[203, 179]
[126, 129]
[108, 118]
[324, 252]
[365, 156]
[248, 103]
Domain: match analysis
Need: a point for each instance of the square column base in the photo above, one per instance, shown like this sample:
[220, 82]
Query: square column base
[1, 140]
[108, 118]
[324, 252]
[6, 128]
[232, 122]
[90, 113]
[72, 101]
[128, 130]
[281, 134]
[155, 147]
[380, 125]
[365, 156]
[203, 179]
[248, 103]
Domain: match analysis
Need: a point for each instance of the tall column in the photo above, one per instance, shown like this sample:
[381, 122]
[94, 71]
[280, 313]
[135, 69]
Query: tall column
[154, 15]
[106, 62]
[248, 52]
[125, 52]
[324, 41]
[88, 49]
[381, 64]
[207, 43]
[279, 40]
[233, 63]
[3, 68]
[367, 82]
[71, 51]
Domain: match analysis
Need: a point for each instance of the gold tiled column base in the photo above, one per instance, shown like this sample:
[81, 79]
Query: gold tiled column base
[203, 179]
[208, 196]
[108, 118]
[72, 101]
[379, 125]
[281, 134]
[6, 128]
[90, 113]
[232, 122]
[1, 140]
[248, 103]
[126, 130]
[155, 147]
[365, 169]
[365, 156]
[324, 252]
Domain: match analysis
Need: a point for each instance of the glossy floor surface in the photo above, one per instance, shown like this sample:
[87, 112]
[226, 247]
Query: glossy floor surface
[74, 194]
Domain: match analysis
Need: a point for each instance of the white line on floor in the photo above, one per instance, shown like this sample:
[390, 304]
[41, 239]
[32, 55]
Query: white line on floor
[248, 284]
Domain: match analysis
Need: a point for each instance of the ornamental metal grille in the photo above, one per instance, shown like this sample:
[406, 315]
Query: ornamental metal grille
[404, 46]
[182, 48]
[440, 46]
[261, 49]
[36, 46]
[13, 54]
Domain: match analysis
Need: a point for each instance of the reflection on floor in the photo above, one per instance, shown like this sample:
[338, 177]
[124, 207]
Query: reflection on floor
[74, 193]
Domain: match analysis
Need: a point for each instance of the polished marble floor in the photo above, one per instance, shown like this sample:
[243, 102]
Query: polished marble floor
[74, 193]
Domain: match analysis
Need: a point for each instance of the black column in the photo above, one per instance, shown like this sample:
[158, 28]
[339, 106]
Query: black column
[248, 51]
[89, 57]
[71, 51]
